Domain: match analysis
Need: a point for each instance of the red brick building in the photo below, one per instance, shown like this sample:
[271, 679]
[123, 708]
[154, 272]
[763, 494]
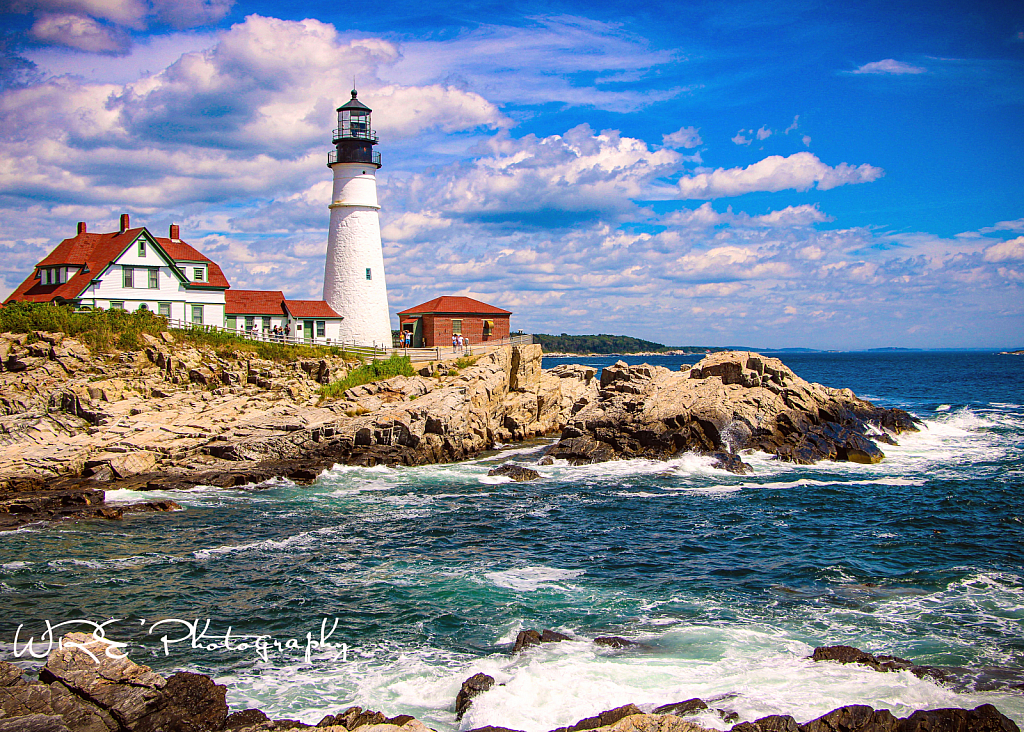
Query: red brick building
[433, 323]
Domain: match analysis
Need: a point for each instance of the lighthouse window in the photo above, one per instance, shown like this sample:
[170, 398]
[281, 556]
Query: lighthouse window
[368, 274]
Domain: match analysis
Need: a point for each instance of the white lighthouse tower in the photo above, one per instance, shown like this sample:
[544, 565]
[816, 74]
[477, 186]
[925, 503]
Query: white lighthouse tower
[354, 275]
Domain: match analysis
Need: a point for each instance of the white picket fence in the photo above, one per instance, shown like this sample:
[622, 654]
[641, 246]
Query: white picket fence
[361, 351]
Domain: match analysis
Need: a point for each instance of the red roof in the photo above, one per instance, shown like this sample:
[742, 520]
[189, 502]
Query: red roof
[310, 309]
[96, 252]
[455, 305]
[253, 302]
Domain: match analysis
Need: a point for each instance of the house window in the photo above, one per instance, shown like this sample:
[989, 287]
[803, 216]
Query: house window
[266, 324]
[199, 274]
[456, 326]
[44, 276]
[321, 328]
[164, 308]
[154, 278]
[488, 327]
[129, 277]
[142, 247]
[369, 274]
[116, 305]
[197, 314]
[250, 320]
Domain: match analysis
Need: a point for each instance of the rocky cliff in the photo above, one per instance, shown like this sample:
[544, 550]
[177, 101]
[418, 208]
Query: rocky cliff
[728, 402]
[73, 423]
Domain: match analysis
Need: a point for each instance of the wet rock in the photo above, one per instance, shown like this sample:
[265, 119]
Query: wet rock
[730, 461]
[603, 719]
[684, 707]
[473, 686]
[525, 639]
[614, 641]
[516, 472]
[771, 723]
[244, 718]
[849, 654]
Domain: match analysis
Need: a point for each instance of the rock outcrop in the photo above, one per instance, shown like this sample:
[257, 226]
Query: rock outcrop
[85, 688]
[730, 401]
[176, 418]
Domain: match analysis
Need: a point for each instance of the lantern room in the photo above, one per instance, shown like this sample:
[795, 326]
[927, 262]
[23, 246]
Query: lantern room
[354, 137]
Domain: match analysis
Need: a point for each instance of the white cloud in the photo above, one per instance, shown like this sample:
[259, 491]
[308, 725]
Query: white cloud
[1016, 226]
[800, 171]
[1011, 250]
[806, 139]
[764, 133]
[888, 66]
[555, 177]
[741, 139]
[542, 63]
[82, 34]
[685, 137]
[99, 26]
[252, 115]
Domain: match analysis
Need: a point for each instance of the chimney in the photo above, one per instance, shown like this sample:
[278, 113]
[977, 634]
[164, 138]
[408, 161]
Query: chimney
[81, 228]
[175, 233]
[124, 223]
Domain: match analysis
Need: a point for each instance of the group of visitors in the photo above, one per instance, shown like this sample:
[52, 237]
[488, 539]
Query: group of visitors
[406, 337]
[279, 334]
[459, 342]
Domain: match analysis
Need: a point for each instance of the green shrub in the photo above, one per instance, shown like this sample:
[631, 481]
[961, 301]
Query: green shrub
[105, 330]
[366, 373]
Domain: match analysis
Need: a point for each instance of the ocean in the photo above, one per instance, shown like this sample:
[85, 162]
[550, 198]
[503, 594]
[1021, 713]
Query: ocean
[420, 577]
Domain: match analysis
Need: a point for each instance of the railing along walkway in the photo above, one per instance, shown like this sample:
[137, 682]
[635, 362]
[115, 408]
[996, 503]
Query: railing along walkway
[364, 352]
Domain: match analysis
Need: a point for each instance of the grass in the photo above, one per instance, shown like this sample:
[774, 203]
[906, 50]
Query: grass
[373, 371]
[106, 330]
[465, 362]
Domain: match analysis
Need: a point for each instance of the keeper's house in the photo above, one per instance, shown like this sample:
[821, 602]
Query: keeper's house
[433, 323]
[260, 311]
[130, 269]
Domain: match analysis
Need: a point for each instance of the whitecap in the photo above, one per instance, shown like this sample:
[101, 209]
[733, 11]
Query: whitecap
[528, 579]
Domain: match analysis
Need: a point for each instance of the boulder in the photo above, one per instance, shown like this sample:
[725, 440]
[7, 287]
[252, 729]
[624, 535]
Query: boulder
[475, 685]
[516, 472]
[603, 719]
[684, 707]
[614, 641]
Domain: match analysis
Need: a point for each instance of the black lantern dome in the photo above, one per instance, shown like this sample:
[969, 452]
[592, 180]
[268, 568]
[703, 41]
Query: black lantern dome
[354, 138]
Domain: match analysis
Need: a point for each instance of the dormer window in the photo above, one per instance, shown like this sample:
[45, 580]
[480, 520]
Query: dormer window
[199, 274]
[44, 278]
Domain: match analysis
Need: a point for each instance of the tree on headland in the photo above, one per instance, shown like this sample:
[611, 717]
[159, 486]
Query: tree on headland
[604, 343]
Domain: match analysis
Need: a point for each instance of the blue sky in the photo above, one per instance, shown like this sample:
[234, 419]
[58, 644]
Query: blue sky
[771, 174]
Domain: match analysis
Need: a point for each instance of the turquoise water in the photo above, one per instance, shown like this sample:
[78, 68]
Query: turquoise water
[730, 580]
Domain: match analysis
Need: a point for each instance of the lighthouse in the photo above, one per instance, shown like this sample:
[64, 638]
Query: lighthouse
[354, 283]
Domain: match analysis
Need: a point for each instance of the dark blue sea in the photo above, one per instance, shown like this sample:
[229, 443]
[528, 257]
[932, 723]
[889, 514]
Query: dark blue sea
[730, 581]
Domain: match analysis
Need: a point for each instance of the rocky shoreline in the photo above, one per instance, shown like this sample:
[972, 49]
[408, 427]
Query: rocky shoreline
[74, 425]
[88, 685]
